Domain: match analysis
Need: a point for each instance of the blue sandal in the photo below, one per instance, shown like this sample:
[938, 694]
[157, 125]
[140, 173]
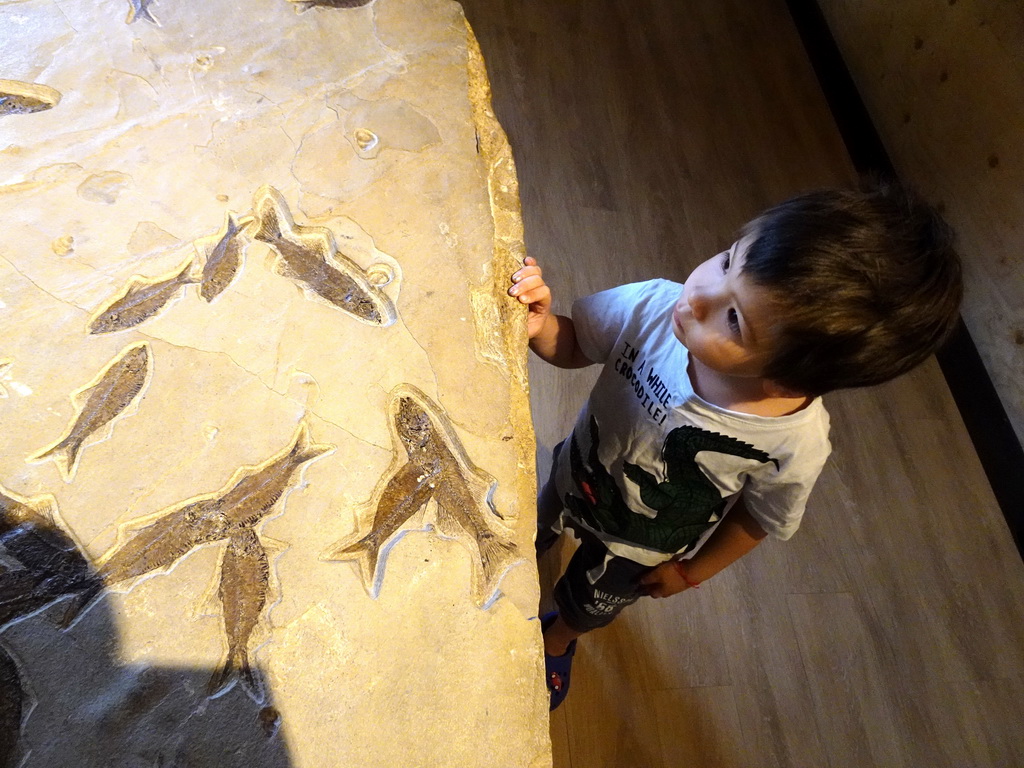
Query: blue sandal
[557, 668]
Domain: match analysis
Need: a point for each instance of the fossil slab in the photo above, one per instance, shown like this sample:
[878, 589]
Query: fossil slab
[266, 486]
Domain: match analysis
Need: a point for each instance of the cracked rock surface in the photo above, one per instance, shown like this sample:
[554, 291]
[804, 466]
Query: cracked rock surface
[167, 591]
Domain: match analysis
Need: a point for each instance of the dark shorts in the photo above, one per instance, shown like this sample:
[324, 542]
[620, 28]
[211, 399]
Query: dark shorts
[596, 585]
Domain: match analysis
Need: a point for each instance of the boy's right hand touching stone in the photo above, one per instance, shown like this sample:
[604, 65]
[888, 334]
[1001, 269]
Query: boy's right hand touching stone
[529, 287]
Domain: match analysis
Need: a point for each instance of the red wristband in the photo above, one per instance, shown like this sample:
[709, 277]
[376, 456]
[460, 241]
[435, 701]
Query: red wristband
[681, 570]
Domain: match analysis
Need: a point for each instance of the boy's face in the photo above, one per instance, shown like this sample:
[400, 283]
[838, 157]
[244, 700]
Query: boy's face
[724, 320]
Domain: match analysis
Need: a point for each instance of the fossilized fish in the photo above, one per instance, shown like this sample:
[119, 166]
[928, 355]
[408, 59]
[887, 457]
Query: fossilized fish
[140, 300]
[117, 386]
[463, 497]
[21, 523]
[405, 494]
[157, 545]
[407, 490]
[244, 583]
[12, 703]
[309, 256]
[253, 496]
[305, 5]
[207, 519]
[52, 565]
[436, 467]
[460, 508]
[164, 541]
[224, 260]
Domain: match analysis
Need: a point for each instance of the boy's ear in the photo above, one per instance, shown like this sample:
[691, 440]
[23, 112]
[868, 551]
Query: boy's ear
[774, 389]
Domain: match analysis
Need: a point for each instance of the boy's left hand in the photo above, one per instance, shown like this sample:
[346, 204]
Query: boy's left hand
[663, 581]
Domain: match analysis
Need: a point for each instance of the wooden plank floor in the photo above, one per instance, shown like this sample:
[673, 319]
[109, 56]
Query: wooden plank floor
[890, 630]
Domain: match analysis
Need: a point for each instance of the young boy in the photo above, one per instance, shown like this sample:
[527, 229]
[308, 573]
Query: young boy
[708, 412]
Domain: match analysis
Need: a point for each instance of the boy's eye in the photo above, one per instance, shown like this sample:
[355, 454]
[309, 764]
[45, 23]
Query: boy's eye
[725, 261]
[734, 321]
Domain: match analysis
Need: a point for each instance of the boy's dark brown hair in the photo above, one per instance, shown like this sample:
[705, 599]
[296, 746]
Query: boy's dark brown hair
[867, 282]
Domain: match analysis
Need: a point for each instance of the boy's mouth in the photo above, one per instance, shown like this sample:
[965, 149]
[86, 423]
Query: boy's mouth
[680, 310]
[677, 322]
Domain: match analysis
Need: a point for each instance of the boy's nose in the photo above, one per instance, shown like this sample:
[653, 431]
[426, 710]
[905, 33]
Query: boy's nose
[699, 305]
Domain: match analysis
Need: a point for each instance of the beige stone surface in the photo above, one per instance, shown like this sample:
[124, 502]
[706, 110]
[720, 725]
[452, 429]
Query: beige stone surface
[206, 446]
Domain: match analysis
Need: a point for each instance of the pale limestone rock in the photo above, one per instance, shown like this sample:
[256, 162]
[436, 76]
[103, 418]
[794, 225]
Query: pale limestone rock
[143, 150]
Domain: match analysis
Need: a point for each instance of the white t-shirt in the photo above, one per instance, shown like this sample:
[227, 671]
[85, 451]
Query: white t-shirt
[667, 464]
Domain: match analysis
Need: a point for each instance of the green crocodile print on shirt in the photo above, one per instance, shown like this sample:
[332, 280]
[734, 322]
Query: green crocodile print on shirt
[687, 503]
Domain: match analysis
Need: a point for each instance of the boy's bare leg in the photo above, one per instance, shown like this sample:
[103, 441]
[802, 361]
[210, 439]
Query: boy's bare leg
[558, 636]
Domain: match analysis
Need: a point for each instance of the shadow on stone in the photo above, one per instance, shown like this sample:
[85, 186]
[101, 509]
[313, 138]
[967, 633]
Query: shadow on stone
[66, 698]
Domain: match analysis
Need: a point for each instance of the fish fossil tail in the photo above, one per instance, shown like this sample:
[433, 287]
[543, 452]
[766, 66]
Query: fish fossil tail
[78, 603]
[496, 555]
[267, 224]
[305, 449]
[139, 12]
[266, 228]
[233, 226]
[367, 549]
[66, 452]
[185, 276]
[237, 666]
[220, 680]
[251, 683]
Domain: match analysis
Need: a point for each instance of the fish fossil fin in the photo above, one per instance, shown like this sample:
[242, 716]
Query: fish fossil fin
[66, 452]
[496, 553]
[221, 680]
[366, 554]
[305, 450]
[251, 682]
[496, 557]
[236, 667]
[184, 276]
[231, 227]
[272, 215]
[77, 605]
